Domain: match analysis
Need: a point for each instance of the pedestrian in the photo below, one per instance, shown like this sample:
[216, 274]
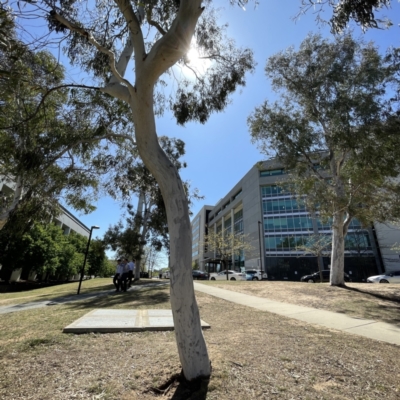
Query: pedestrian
[131, 271]
[124, 274]
[117, 276]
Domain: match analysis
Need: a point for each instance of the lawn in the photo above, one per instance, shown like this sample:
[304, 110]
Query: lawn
[380, 302]
[66, 289]
[254, 354]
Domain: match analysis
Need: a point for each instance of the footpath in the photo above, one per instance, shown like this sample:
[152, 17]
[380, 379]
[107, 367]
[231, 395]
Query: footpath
[358, 326]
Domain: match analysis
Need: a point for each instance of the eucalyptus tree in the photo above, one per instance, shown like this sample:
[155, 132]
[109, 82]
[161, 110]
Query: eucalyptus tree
[360, 11]
[129, 48]
[145, 224]
[49, 133]
[335, 129]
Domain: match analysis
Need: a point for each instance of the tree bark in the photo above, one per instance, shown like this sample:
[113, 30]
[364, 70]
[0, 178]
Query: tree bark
[189, 336]
[337, 255]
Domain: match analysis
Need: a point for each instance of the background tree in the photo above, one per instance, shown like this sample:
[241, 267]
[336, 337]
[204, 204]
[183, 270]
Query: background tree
[49, 133]
[361, 11]
[316, 245]
[336, 130]
[46, 251]
[227, 244]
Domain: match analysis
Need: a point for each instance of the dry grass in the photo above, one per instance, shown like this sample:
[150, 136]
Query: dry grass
[371, 301]
[66, 289]
[255, 355]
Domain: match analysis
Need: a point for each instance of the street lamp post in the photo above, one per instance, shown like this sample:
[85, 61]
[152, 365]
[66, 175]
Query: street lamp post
[259, 240]
[86, 253]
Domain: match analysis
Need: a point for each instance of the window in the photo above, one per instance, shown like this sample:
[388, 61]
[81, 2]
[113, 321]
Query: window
[236, 195]
[273, 172]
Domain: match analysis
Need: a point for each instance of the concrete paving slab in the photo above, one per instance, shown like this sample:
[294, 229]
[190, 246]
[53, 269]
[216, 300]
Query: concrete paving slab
[112, 320]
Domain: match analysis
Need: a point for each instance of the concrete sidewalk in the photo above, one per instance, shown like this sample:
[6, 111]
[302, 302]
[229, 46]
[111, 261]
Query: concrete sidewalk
[358, 326]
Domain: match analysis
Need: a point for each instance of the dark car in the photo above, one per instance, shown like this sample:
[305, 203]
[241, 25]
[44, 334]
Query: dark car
[325, 277]
[200, 275]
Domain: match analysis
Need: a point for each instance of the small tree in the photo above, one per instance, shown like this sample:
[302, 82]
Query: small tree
[227, 244]
[317, 245]
[336, 131]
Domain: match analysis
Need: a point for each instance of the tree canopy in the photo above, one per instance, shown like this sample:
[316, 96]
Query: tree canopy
[335, 129]
[49, 133]
[360, 11]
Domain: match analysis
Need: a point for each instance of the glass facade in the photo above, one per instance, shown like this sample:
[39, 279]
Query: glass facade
[287, 225]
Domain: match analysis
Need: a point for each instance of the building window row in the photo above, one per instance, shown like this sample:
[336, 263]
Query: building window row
[354, 241]
[273, 172]
[288, 223]
[280, 206]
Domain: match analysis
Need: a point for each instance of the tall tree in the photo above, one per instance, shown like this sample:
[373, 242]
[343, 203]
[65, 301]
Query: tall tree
[360, 11]
[49, 133]
[153, 36]
[336, 131]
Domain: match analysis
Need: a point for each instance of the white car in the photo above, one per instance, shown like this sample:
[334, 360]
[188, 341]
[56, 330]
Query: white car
[255, 275]
[232, 276]
[389, 277]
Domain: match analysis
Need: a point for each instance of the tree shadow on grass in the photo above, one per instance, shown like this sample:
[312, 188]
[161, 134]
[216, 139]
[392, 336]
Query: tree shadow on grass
[144, 298]
[389, 297]
[379, 312]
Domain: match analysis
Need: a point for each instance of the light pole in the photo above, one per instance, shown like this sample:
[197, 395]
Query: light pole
[86, 253]
[259, 240]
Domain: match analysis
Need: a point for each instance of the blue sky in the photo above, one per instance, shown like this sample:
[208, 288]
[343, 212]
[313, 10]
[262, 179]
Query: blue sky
[219, 153]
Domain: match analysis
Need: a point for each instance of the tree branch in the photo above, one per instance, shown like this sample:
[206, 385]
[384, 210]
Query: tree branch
[154, 23]
[174, 44]
[44, 98]
[94, 42]
[136, 34]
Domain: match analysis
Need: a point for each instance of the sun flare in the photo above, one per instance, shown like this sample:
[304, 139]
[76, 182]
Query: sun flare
[197, 62]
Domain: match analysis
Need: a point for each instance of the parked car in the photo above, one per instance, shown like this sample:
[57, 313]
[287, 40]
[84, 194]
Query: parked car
[325, 277]
[389, 277]
[197, 274]
[255, 275]
[232, 276]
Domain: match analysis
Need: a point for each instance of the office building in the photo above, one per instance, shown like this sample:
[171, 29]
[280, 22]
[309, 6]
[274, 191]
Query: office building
[275, 223]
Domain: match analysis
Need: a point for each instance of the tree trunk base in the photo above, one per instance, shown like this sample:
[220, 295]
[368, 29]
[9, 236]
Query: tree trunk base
[342, 285]
[183, 387]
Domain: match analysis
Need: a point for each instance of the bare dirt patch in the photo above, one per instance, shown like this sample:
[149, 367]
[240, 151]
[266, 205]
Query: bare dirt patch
[254, 354]
[377, 302]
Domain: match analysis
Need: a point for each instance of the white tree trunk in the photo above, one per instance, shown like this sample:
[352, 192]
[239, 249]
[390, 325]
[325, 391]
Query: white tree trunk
[189, 336]
[168, 50]
[337, 255]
